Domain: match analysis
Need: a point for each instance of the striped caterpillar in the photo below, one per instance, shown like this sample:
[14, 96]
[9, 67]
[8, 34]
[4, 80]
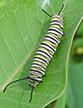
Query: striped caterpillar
[45, 52]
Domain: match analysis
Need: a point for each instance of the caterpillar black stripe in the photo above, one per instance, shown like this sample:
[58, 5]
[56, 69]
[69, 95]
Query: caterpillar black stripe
[45, 51]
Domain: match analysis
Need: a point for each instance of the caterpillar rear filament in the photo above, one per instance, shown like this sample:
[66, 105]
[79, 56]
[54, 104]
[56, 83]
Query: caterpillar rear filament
[45, 51]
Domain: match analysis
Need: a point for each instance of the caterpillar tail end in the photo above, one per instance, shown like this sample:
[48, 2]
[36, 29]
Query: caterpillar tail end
[4, 89]
[30, 100]
[31, 92]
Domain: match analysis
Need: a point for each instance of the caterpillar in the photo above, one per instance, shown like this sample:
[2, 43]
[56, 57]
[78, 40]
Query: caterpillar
[45, 51]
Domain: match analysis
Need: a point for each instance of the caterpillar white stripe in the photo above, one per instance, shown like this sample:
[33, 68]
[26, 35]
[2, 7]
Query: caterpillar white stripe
[45, 51]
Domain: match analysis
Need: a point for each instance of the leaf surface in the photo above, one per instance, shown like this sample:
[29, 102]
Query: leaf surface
[22, 28]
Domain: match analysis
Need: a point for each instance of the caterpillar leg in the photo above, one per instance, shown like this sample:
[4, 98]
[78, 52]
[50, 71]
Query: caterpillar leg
[44, 75]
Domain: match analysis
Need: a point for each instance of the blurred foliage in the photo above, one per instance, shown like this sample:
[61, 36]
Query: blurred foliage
[77, 47]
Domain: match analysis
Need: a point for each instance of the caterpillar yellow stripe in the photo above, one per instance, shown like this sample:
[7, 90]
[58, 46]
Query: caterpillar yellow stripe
[45, 51]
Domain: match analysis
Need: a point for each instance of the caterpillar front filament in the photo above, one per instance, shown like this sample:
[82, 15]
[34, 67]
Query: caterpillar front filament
[45, 51]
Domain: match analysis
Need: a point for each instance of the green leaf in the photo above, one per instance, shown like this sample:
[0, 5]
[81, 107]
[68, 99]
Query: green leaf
[61, 102]
[80, 30]
[75, 85]
[78, 42]
[22, 28]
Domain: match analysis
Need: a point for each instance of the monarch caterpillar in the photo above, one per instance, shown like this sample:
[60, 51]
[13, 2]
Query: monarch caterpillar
[45, 52]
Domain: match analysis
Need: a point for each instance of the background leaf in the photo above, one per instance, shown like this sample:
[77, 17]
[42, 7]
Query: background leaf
[22, 28]
[75, 86]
